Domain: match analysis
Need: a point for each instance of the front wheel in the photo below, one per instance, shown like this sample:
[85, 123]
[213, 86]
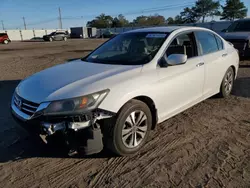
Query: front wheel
[65, 38]
[131, 130]
[227, 83]
[50, 39]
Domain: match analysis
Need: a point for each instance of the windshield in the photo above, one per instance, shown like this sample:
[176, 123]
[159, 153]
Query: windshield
[53, 33]
[128, 49]
[239, 26]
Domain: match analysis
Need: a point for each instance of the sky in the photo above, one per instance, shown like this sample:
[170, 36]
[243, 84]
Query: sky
[40, 14]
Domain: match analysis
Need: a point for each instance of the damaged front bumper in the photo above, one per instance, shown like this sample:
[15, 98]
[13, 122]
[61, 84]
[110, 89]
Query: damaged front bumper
[79, 132]
[52, 128]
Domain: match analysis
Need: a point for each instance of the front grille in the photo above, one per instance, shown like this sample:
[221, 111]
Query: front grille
[238, 44]
[25, 106]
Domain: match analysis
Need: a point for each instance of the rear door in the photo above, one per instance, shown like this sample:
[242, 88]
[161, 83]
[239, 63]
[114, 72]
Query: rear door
[213, 54]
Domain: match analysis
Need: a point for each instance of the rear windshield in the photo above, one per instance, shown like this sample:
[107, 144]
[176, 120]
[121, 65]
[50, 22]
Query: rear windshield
[3, 34]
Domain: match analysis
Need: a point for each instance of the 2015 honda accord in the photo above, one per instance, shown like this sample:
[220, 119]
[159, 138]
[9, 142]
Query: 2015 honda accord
[120, 91]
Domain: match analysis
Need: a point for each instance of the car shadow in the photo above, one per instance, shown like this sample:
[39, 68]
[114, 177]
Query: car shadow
[244, 66]
[34, 39]
[16, 143]
[242, 87]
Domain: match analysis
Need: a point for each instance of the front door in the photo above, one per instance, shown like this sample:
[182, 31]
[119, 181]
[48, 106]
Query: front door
[181, 85]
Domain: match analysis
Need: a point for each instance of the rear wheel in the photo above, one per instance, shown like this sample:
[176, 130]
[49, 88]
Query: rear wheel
[227, 83]
[131, 129]
[65, 38]
[5, 41]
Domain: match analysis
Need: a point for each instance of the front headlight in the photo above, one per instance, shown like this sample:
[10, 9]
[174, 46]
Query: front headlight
[76, 105]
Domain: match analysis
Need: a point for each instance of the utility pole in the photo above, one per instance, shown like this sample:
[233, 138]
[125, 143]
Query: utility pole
[24, 23]
[2, 25]
[60, 19]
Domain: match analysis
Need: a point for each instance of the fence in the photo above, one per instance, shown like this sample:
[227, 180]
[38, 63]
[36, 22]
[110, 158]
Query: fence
[29, 34]
[26, 34]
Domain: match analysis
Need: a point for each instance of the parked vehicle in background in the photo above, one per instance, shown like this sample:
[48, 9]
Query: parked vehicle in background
[238, 33]
[118, 93]
[4, 38]
[107, 34]
[57, 36]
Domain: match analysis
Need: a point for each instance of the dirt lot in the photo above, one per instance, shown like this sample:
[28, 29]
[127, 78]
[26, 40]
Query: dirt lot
[205, 146]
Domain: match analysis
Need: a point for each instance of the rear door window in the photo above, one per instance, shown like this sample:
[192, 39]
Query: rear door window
[206, 42]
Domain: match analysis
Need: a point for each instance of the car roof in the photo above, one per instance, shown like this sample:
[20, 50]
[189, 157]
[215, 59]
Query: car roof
[167, 29]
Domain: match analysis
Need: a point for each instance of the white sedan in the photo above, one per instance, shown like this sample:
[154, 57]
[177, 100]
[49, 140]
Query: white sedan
[124, 88]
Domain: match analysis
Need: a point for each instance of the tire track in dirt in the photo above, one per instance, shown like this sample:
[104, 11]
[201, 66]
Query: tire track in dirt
[211, 141]
[167, 147]
[10, 66]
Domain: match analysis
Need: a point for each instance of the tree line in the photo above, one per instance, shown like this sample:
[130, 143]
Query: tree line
[233, 9]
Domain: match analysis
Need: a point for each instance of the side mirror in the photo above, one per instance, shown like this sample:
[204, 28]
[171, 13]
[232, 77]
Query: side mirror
[177, 59]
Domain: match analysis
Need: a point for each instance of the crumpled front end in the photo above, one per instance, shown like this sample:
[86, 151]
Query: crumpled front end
[79, 132]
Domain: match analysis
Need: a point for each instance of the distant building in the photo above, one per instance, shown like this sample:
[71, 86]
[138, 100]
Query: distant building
[83, 32]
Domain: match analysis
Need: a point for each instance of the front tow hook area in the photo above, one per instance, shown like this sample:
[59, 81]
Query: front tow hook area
[50, 129]
[78, 137]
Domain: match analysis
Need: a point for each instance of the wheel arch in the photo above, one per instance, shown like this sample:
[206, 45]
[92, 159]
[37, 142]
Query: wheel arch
[151, 105]
[234, 69]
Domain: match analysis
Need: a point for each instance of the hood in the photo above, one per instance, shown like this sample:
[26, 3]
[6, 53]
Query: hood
[236, 35]
[69, 80]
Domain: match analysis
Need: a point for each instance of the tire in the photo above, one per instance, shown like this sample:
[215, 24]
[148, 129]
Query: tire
[125, 137]
[227, 83]
[50, 39]
[65, 38]
[5, 41]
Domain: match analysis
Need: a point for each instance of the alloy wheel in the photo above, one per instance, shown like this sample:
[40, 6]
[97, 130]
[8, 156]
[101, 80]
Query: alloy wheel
[134, 129]
[228, 83]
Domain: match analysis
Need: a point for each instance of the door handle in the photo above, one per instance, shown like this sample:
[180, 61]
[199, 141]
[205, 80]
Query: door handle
[200, 64]
[224, 55]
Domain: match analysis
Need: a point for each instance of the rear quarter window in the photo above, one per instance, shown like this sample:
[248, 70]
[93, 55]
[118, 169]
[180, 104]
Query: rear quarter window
[219, 42]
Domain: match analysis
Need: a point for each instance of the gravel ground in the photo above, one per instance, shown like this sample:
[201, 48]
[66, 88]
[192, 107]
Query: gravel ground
[205, 146]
